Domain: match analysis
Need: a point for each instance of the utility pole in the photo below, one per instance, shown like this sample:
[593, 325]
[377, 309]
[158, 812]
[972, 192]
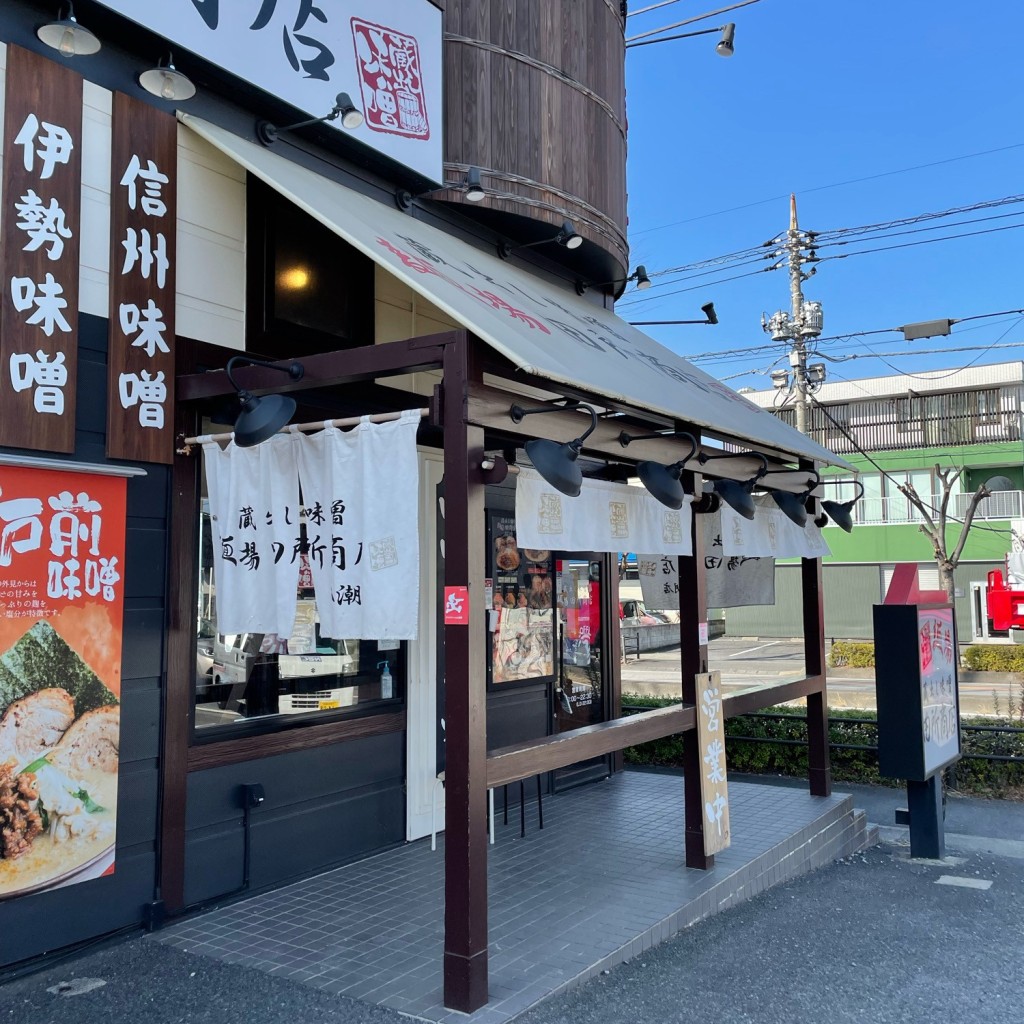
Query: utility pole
[803, 323]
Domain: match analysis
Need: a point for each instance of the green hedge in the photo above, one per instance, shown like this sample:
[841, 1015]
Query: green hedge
[994, 658]
[849, 654]
[854, 728]
[977, 658]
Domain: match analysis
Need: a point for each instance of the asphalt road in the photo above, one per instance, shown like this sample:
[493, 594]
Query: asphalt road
[745, 663]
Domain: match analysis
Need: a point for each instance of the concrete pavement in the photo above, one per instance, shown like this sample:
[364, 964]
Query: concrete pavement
[877, 937]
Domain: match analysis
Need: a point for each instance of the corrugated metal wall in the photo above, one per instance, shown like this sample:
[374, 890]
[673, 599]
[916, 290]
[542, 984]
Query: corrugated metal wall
[850, 591]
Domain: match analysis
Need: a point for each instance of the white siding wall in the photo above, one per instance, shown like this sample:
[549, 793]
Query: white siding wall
[402, 313]
[211, 244]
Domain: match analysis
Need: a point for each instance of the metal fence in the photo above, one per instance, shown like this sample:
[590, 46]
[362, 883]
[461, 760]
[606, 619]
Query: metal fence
[1008, 730]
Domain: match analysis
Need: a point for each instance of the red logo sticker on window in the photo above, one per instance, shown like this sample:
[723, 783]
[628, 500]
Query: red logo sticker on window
[456, 606]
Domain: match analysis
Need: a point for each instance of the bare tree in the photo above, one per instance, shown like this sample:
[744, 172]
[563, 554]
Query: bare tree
[936, 520]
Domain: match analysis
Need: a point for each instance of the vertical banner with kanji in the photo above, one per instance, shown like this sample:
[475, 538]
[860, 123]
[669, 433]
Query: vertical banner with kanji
[62, 539]
[714, 787]
[140, 417]
[41, 202]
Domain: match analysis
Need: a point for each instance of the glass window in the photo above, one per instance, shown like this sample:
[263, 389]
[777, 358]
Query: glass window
[245, 676]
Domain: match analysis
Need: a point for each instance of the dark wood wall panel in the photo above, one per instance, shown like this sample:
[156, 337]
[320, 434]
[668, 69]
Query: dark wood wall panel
[556, 144]
[47, 921]
[324, 806]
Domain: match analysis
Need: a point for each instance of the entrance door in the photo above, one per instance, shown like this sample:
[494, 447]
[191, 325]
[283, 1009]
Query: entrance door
[581, 690]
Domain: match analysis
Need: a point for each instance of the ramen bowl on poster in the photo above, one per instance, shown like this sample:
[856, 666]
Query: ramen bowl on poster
[61, 606]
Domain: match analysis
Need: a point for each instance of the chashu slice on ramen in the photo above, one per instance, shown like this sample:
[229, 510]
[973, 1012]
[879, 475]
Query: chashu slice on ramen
[34, 724]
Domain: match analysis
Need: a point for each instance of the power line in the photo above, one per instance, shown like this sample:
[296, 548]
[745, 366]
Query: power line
[860, 239]
[923, 241]
[632, 40]
[824, 239]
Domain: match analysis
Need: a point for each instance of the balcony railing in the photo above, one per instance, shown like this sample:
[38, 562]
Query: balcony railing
[905, 423]
[897, 510]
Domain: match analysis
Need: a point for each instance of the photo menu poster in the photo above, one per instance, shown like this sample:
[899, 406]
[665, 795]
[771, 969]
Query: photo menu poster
[522, 620]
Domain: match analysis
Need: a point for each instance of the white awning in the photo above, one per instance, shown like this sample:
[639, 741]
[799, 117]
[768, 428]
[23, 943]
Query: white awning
[544, 329]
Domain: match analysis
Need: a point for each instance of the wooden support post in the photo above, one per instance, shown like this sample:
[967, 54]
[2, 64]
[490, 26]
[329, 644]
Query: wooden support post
[693, 617]
[465, 844]
[819, 771]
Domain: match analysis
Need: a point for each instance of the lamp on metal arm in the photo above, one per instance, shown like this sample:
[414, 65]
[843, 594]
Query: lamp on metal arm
[351, 118]
[663, 482]
[708, 309]
[840, 512]
[471, 189]
[261, 418]
[557, 463]
[567, 236]
[793, 505]
[738, 496]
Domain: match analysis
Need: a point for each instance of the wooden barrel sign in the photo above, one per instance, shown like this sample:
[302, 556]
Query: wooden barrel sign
[535, 97]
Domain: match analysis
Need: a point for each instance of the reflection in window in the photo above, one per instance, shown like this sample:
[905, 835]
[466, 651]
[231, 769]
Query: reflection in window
[245, 676]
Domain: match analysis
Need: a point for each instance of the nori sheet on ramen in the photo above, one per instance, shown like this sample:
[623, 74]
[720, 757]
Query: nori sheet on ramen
[41, 659]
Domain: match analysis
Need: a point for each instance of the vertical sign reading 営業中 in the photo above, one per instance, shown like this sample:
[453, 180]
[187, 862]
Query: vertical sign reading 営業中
[42, 185]
[714, 787]
[140, 406]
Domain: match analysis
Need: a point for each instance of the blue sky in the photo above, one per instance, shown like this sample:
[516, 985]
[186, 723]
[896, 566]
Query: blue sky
[821, 92]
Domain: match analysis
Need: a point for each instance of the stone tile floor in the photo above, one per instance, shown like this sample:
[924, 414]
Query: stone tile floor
[603, 881]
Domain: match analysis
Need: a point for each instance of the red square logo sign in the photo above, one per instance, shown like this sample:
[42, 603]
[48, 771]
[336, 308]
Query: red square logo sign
[391, 81]
[456, 606]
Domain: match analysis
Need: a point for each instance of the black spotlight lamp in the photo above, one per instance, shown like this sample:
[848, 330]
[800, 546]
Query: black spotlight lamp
[567, 236]
[557, 463]
[471, 189]
[794, 505]
[708, 309]
[738, 496]
[841, 512]
[643, 282]
[68, 37]
[663, 482]
[351, 118]
[261, 418]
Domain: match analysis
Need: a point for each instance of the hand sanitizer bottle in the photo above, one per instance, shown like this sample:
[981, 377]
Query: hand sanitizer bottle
[386, 688]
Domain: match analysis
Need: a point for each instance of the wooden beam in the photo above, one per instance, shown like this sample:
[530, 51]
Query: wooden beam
[509, 764]
[819, 770]
[693, 615]
[769, 696]
[326, 368]
[179, 690]
[465, 843]
[302, 737]
[489, 407]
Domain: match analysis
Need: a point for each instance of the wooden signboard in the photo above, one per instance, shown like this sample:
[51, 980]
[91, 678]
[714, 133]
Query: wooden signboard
[42, 189]
[713, 784]
[140, 416]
